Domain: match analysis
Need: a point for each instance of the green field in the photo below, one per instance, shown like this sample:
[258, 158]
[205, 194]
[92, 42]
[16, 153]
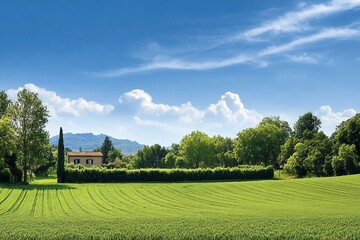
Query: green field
[314, 208]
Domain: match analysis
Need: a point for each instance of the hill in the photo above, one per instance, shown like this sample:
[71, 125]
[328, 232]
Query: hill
[312, 208]
[89, 141]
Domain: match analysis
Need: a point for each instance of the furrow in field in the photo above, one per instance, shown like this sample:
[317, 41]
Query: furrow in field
[198, 197]
[156, 199]
[7, 195]
[60, 203]
[97, 204]
[119, 202]
[262, 194]
[166, 196]
[104, 198]
[18, 202]
[34, 203]
[222, 195]
[77, 200]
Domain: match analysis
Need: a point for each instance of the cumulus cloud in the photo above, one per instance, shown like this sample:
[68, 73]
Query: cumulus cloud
[144, 104]
[57, 105]
[331, 119]
[232, 108]
[228, 110]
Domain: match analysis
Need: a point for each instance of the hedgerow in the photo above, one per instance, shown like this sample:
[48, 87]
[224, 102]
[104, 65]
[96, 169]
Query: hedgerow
[75, 175]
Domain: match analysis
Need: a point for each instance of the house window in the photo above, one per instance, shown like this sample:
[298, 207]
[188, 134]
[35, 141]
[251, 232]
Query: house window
[89, 161]
[76, 161]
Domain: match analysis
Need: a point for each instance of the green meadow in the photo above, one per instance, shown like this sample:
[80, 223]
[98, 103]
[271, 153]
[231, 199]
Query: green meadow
[312, 208]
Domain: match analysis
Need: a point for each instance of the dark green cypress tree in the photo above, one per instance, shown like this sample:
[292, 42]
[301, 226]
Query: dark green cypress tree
[60, 158]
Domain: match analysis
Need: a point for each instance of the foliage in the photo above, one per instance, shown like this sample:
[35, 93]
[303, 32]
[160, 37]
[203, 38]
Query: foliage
[224, 151]
[286, 150]
[106, 147]
[114, 155]
[150, 157]
[349, 133]
[4, 103]
[306, 123]
[29, 117]
[197, 150]
[60, 158]
[311, 208]
[167, 175]
[260, 145]
[7, 143]
[309, 155]
[346, 162]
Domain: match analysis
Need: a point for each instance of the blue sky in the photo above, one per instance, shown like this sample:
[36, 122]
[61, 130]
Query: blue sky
[153, 71]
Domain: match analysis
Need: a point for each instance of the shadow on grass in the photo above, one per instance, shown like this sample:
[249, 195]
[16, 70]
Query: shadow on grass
[35, 186]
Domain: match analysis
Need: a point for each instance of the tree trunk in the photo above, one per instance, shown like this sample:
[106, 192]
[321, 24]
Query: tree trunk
[25, 182]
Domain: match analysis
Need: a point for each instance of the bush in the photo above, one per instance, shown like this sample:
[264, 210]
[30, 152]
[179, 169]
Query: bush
[166, 175]
[5, 175]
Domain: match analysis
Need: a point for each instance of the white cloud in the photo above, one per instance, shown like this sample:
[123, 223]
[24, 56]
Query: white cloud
[231, 107]
[57, 105]
[294, 21]
[305, 58]
[330, 119]
[228, 112]
[328, 33]
[177, 64]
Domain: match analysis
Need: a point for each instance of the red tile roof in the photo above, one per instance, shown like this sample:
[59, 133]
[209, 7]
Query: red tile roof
[85, 154]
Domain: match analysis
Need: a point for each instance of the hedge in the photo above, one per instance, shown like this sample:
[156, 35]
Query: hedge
[85, 175]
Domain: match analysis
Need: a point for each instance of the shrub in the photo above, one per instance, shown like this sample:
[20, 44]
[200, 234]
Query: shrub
[5, 175]
[166, 175]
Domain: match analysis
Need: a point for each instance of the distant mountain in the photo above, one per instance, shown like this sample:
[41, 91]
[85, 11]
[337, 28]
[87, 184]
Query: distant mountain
[89, 141]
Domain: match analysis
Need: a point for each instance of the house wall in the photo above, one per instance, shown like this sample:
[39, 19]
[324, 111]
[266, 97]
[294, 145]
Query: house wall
[96, 160]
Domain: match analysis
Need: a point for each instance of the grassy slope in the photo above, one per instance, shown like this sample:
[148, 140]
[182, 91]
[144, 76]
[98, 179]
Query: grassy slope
[318, 208]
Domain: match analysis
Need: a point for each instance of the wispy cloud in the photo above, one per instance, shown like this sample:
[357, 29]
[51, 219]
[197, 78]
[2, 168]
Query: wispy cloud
[328, 33]
[304, 58]
[178, 65]
[258, 54]
[294, 21]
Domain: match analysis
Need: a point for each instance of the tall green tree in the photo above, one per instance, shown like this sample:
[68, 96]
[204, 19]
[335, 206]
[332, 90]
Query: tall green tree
[349, 133]
[7, 143]
[260, 145]
[60, 158]
[4, 103]
[29, 117]
[106, 147]
[197, 150]
[305, 124]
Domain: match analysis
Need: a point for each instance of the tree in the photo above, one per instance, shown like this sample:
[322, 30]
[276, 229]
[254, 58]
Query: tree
[60, 158]
[197, 150]
[283, 125]
[114, 155]
[170, 160]
[286, 150]
[260, 145]
[349, 133]
[347, 155]
[29, 117]
[306, 123]
[4, 103]
[106, 147]
[7, 143]
[224, 151]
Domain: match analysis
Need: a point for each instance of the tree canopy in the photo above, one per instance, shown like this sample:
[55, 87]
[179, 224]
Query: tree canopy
[29, 117]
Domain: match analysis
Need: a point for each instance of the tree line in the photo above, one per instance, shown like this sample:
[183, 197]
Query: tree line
[303, 150]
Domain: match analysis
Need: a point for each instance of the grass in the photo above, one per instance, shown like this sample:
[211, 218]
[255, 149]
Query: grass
[314, 208]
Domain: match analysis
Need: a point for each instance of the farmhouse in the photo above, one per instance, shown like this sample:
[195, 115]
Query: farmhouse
[88, 159]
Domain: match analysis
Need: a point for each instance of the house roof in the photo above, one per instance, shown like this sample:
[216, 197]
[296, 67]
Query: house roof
[85, 154]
